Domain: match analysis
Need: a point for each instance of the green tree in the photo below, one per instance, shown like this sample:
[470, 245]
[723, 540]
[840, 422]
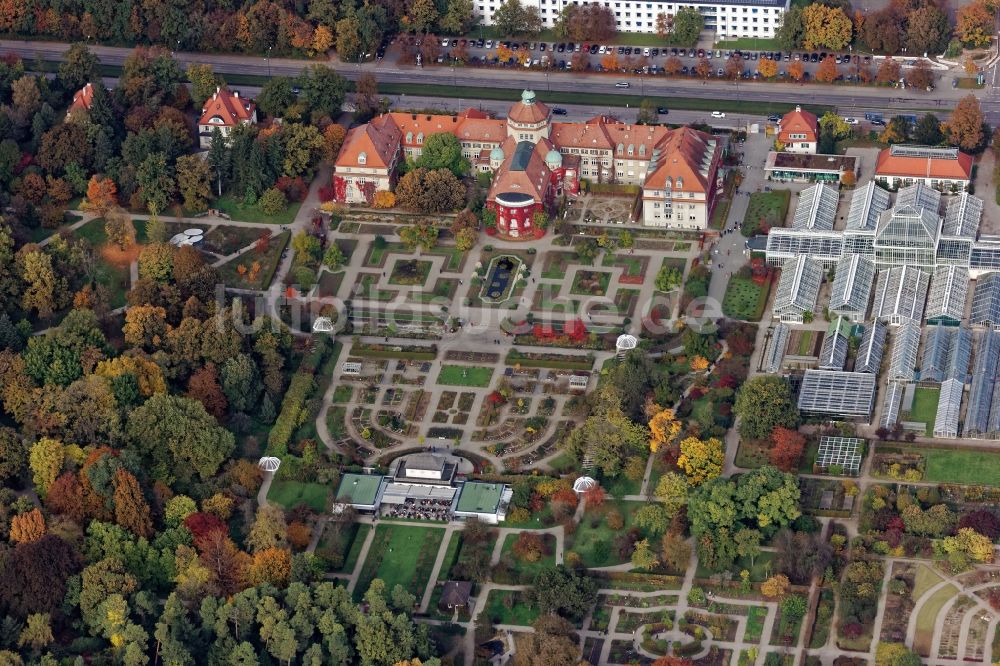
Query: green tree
[156, 181]
[423, 236]
[421, 15]
[276, 96]
[791, 32]
[643, 556]
[443, 151]
[512, 18]
[193, 174]
[349, 38]
[687, 27]
[672, 490]
[38, 633]
[608, 435]
[177, 438]
[648, 114]
[303, 149]
[44, 291]
[763, 403]
[927, 131]
[204, 83]
[272, 202]
[748, 543]
[156, 262]
[334, 257]
[458, 18]
[46, 462]
[323, 90]
[78, 68]
[835, 125]
[430, 191]
[653, 519]
[13, 456]
[668, 278]
[562, 591]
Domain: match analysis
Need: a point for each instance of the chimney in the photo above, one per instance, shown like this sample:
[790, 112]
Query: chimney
[798, 109]
[236, 94]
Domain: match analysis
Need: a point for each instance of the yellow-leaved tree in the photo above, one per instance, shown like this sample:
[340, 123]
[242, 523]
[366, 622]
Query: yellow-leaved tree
[663, 427]
[700, 459]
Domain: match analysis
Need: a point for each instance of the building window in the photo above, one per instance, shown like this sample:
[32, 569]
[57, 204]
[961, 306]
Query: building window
[362, 158]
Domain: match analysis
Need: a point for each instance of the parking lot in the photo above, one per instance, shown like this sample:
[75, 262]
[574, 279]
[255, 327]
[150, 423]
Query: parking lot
[674, 61]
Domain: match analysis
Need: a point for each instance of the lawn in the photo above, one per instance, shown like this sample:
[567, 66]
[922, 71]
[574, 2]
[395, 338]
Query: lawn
[766, 209]
[526, 571]
[744, 299]
[355, 551]
[927, 618]
[594, 540]
[292, 493]
[226, 238]
[237, 210]
[335, 422]
[268, 261]
[925, 404]
[755, 624]
[520, 612]
[342, 393]
[961, 466]
[401, 555]
[923, 581]
[465, 375]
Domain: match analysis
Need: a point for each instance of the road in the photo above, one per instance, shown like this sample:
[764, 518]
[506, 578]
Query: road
[850, 100]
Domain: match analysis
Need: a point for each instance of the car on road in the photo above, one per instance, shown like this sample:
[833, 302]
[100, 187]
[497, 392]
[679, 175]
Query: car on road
[774, 118]
[718, 114]
[646, 52]
[296, 91]
[878, 122]
[662, 110]
[851, 121]
[559, 111]
[622, 84]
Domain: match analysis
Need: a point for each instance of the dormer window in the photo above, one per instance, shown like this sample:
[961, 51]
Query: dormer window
[420, 138]
[679, 184]
[642, 150]
[409, 137]
[631, 149]
[621, 149]
[362, 158]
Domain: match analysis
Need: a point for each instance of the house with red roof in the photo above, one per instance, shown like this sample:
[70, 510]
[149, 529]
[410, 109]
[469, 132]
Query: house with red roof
[798, 132]
[82, 99]
[944, 169]
[224, 110]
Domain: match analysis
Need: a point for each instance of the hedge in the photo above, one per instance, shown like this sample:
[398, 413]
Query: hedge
[293, 404]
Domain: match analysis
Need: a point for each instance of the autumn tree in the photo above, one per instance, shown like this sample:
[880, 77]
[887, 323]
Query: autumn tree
[643, 557]
[131, 510]
[78, 68]
[33, 578]
[423, 236]
[889, 72]
[775, 586]
[786, 449]
[44, 290]
[734, 67]
[675, 552]
[703, 68]
[204, 83]
[38, 632]
[921, 76]
[430, 191]
[119, 229]
[193, 182]
[825, 26]
[608, 434]
[204, 387]
[927, 29]
[13, 456]
[673, 66]
[965, 129]
[768, 67]
[701, 460]
[46, 462]
[269, 529]
[272, 566]
[466, 239]
[827, 70]
[687, 26]
[974, 23]
[27, 527]
[226, 564]
[663, 428]
[528, 546]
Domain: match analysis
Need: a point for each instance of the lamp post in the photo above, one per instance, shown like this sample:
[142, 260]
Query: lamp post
[547, 86]
[268, 62]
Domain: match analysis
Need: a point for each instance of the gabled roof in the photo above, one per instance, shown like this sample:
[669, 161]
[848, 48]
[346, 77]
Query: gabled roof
[377, 141]
[798, 122]
[528, 110]
[908, 162]
[227, 109]
[82, 99]
[687, 161]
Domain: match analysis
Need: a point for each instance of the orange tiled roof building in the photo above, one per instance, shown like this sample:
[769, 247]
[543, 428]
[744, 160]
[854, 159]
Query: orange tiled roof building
[945, 169]
[225, 109]
[535, 161]
[82, 100]
[799, 132]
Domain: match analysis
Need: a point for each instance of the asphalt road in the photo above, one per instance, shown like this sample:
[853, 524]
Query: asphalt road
[850, 100]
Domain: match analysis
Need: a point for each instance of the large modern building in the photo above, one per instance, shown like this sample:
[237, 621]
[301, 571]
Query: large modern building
[535, 160]
[729, 19]
[837, 393]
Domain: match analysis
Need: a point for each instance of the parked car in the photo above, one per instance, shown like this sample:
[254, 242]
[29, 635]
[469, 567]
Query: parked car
[718, 114]
[656, 52]
[622, 84]
[646, 52]
[559, 111]
[444, 42]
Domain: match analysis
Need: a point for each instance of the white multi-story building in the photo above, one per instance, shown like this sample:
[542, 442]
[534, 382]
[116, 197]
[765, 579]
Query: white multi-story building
[732, 19]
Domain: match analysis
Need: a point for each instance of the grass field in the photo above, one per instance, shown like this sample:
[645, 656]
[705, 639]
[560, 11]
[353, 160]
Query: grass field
[923, 581]
[925, 404]
[355, 550]
[269, 261]
[236, 209]
[927, 618]
[519, 613]
[961, 466]
[528, 570]
[755, 624]
[292, 493]
[595, 543]
[401, 556]
[765, 209]
[465, 375]
[744, 299]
